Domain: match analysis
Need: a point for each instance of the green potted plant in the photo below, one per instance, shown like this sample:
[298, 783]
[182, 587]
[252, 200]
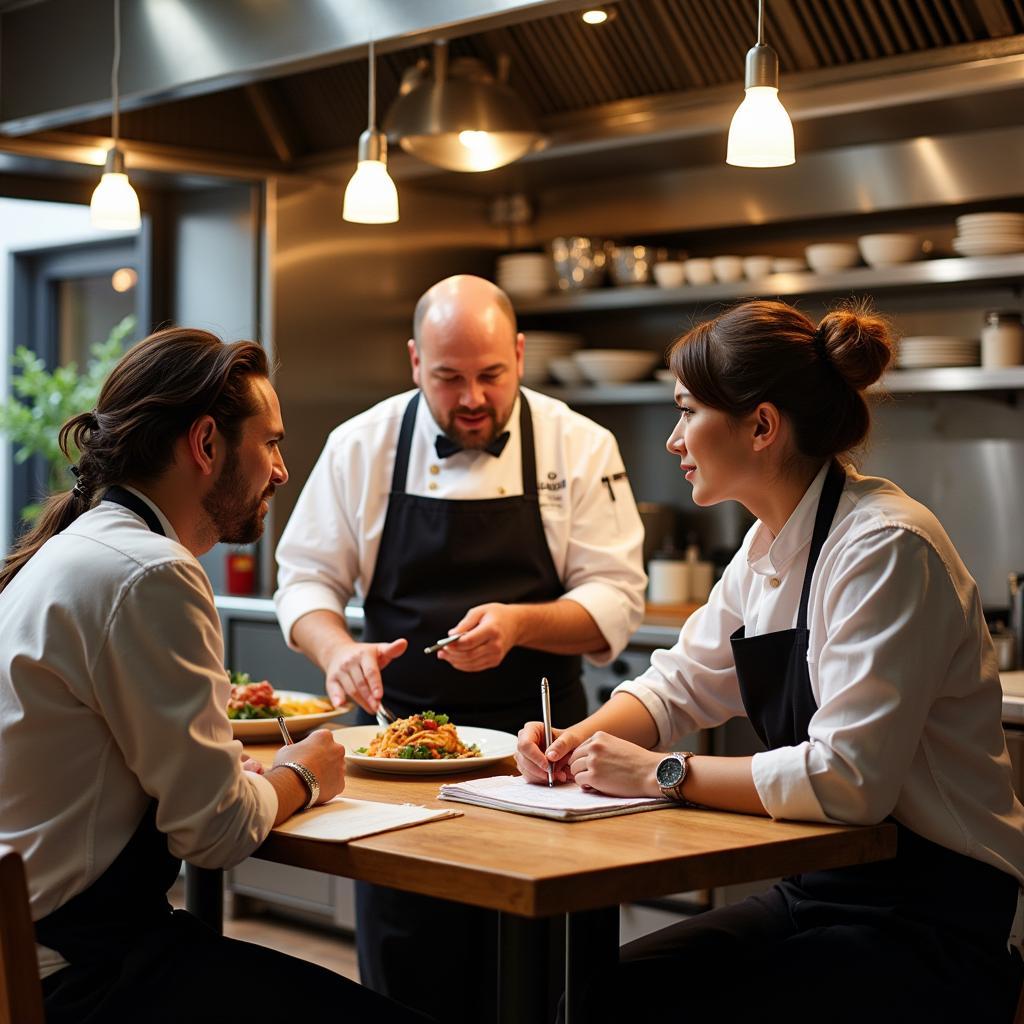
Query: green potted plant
[41, 400]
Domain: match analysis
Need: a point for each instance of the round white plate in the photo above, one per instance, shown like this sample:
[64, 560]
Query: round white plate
[255, 729]
[494, 746]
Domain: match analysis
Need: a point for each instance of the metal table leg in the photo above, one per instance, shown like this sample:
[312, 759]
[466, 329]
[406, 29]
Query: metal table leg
[204, 895]
[530, 968]
[591, 950]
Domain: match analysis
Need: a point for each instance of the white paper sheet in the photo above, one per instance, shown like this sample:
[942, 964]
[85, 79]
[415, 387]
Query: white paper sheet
[566, 802]
[342, 819]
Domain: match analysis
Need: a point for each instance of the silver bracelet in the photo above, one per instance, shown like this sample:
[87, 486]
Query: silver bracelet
[309, 780]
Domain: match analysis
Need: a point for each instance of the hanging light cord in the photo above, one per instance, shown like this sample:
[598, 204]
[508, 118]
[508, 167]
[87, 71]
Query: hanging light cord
[760, 22]
[115, 69]
[372, 104]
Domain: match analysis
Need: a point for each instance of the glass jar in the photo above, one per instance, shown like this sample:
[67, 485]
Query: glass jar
[1002, 339]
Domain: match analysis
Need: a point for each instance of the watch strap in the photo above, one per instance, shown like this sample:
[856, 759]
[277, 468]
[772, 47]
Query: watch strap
[309, 780]
[676, 791]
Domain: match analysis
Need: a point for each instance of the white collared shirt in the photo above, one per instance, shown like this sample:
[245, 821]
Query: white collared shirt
[113, 692]
[901, 666]
[328, 550]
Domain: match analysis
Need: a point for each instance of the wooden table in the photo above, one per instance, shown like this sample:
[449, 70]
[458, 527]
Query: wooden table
[530, 869]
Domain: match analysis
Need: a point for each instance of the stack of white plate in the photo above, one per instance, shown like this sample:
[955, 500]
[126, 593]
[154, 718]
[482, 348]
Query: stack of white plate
[989, 234]
[616, 365]
[541, 348]
[525, 274]
[937, 350]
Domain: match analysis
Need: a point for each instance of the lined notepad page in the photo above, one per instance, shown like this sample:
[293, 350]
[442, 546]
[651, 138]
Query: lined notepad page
[341, 819]
[566, 801]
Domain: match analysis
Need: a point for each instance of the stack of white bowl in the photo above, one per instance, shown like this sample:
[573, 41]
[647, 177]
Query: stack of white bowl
[525, 274]
[829, 257]
[542, 347]
[937, 350]
[989, 234]
[615, 365]
[885, 250]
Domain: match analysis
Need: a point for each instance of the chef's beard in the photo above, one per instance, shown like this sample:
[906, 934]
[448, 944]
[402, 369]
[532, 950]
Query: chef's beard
[482, 436]
[236, 520]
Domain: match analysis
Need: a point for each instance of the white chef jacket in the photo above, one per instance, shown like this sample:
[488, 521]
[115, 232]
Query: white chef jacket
[328, 550]
[112, 692]
[901, 665]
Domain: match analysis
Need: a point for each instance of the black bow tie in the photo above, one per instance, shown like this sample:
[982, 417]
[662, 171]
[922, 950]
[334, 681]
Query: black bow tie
[446, 446]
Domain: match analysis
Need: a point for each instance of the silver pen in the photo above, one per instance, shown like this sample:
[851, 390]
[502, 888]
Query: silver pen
[443, 642]
[285, 735]
[545, 703]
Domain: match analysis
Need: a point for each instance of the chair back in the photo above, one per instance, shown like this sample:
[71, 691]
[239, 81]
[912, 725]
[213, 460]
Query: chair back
[21, 995]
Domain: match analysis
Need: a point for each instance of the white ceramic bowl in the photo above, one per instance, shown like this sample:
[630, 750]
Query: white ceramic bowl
[828, 257]
[757, 266]
[885, 250]
[566, 371]
[615, 366]
[788, 265]
[670, 273]
[727, 269]
[699, 271]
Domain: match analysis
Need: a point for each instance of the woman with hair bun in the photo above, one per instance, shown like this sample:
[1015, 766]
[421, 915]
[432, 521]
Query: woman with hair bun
[850, 634]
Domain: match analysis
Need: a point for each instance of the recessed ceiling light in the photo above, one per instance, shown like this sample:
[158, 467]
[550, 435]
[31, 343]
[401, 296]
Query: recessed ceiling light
[595, 16]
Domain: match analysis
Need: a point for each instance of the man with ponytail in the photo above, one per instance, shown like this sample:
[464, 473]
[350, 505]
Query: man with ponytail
[116, 754]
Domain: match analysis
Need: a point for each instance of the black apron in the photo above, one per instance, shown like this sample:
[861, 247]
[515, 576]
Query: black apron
[438, 559]
[925, 887]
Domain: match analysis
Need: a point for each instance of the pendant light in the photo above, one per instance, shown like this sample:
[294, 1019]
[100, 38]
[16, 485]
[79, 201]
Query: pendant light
[371, 196]
[459, 116]
[114, 204]
[761, 133]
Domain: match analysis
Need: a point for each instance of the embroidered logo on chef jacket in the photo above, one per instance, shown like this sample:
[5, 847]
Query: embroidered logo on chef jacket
[550, 490]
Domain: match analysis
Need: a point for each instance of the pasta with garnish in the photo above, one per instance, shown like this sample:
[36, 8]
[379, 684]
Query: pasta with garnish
[423, 737]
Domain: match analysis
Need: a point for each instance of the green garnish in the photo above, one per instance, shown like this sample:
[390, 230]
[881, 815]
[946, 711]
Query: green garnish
[416, 752]
[440, 719]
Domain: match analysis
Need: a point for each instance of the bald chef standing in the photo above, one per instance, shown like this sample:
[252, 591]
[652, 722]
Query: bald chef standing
[470, 506]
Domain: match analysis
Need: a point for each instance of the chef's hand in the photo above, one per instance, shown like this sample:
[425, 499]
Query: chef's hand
[322, 756]
[530, 757]
[250, 764]
[489, 631]
[615, 766]
[353, 672]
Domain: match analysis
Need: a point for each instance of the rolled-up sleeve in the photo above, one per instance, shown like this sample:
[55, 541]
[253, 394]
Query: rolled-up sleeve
[317, 557]
[604, 555]
[162, 688]
[693, 684]
[892, 622]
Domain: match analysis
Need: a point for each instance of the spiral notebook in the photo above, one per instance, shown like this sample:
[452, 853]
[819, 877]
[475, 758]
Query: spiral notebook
[563, 802]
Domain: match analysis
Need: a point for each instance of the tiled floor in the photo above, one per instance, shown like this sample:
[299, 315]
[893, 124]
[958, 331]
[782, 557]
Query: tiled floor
[329, 949]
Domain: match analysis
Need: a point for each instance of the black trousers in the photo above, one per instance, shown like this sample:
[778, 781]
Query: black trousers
[789, 955]
[182, 972]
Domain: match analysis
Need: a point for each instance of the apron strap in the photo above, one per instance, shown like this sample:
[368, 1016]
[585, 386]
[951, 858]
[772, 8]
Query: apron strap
[135, 504]
[526, 443]
[404, 446]
[831, 492]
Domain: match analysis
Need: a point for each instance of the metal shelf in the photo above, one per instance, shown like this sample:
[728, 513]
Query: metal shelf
[940, 379]
[921, 274]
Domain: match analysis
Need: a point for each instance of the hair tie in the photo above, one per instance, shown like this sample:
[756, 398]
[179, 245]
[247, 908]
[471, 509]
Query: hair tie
[820, 346]
[79, 489]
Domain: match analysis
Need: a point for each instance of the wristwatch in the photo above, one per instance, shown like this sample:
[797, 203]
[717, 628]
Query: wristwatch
[309, 780]
[671, 774]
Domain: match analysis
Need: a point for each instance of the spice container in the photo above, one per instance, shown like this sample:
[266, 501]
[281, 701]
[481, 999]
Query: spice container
[1002, 339]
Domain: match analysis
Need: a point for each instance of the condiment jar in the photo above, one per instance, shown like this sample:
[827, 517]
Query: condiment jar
[1002, 339]
[668, 578]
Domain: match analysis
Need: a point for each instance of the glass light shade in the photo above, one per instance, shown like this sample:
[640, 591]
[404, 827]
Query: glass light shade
[371, 196]
[114, 204]
[761, 133]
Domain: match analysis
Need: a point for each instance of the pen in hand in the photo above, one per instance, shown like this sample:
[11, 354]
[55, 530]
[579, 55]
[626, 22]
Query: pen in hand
[545, 701]
[443, 642]
[285, 735]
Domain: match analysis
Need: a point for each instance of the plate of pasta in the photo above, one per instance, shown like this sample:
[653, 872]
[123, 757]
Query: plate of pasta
[425, 743]
[253, 709]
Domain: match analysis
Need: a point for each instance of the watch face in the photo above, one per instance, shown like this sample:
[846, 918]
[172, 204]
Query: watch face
[670, 771]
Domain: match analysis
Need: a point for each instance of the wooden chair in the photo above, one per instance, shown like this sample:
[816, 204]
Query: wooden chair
[21, 995]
